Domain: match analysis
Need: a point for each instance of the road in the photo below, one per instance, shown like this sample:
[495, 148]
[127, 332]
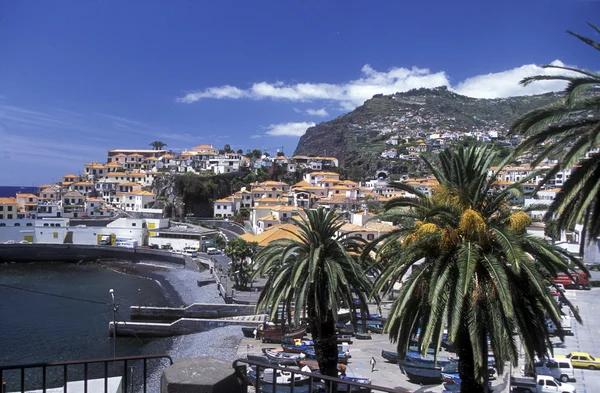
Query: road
[586, 337]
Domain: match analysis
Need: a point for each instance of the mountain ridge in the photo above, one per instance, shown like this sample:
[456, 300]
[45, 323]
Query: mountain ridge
[357, 138]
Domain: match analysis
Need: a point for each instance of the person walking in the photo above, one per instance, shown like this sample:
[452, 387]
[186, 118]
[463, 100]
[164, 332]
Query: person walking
[372, 362]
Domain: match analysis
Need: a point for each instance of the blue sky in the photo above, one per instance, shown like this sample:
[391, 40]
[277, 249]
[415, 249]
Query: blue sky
[80, 77]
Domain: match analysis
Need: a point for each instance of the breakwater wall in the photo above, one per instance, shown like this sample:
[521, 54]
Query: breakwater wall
[39, 252]
[179, 327]
[196, 310]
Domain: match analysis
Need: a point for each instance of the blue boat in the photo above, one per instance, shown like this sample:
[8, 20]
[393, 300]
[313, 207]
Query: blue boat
[429, 359]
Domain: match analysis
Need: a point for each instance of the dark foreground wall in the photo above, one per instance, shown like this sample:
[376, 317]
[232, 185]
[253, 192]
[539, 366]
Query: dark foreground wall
[78, 252]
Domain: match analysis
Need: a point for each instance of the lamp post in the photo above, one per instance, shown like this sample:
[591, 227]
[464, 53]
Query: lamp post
[114, 308]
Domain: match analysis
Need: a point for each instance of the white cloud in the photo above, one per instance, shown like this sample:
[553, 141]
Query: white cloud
[256, 136]
[213, 92]
[506, 83]
[353, 93]
[289, 129]
[317, 112]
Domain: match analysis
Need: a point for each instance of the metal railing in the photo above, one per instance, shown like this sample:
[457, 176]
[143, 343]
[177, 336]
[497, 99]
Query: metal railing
[55, 373]
[316, 382]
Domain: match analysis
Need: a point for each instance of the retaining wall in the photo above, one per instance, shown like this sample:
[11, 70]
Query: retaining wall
[196, 310]
[39, 252]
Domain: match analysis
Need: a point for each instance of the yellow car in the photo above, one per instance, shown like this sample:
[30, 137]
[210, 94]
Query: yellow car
[582, 360]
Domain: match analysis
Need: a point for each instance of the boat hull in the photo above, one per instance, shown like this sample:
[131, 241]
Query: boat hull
[276, 335]
[422, 375]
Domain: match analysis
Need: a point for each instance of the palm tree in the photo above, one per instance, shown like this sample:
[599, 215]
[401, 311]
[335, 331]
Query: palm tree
[572, 125]
[314, 273]
[158, 145]
[471, 267]
[240, 251]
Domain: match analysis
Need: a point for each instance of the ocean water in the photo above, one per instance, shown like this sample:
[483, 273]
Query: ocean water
[62, 312]
[11, 191]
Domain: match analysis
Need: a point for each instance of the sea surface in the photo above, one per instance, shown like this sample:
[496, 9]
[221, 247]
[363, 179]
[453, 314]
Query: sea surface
[57, 311]
[11, 191]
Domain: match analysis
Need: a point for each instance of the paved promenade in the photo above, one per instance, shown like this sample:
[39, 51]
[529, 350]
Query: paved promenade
[385, 374]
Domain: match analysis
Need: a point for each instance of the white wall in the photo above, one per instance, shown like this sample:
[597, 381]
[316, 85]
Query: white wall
[177, 244]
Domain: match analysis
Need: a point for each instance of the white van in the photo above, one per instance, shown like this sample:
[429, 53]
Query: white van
[561, 369]
[190, 252]
[565, 321]
[212, 251]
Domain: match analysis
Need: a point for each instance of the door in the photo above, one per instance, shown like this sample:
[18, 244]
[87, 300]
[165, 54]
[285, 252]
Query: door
[548, 386]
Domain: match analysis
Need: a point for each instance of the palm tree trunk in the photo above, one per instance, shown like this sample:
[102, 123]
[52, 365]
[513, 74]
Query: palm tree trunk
[466, 366]
[325, 339]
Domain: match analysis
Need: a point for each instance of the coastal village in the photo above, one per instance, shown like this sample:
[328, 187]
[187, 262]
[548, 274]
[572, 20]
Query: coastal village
[113, 204]
[122, 188]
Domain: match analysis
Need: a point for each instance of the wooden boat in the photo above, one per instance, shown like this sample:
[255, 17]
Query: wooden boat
[375, 328]
[261, 358]
[296, 348]
[344, 338]
[421, 374]
[362, 336]
[284, 358]
[274, 334]
[416, 357]
[390, 356]
[249, 331]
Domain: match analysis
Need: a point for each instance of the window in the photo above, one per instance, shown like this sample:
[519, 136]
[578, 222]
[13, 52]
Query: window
[2, 224]
[1, 208]
[370, 236]
[29, 224]
[45, 224]
[9, 216]
[17, 224]
[218, 207]
[133, 224]
[9, 208]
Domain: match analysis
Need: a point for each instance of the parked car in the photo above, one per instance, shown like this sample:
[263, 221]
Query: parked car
[561, 369]
[581, 360]
[540, 384]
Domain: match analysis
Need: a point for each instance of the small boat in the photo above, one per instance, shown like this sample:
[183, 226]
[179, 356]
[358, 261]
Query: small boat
[344, 338]
[260, 358]
[416, 357]
[280, 377]
[296, 348]
[452, 378]
[343, 328]
[421, 374]
[274, 334]
[390, 356]
[370, 317]
[284, 358]
[375, 328]
[362, 336]
[366, 381]
[451, 387]
[249, 331]
[342, 356]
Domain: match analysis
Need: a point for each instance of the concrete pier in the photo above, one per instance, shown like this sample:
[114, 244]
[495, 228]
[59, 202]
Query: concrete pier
[179, 327]
[196, 310]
